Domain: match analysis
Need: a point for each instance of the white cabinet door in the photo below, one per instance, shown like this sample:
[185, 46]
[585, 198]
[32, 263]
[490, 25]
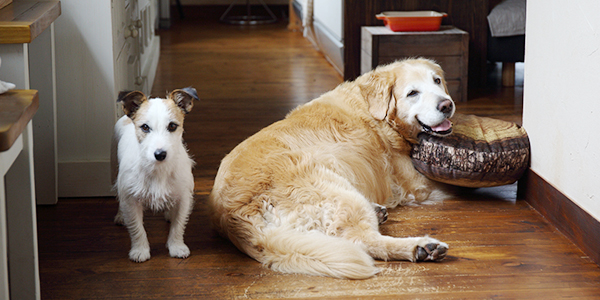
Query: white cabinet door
[149, 45]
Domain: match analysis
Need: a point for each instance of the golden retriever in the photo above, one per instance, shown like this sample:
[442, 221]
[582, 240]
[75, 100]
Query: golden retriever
[307, 194]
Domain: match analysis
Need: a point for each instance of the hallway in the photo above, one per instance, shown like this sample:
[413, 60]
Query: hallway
[247, 78]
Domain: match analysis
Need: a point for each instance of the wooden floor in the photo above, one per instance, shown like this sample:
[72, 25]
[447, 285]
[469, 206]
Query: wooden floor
[247, 78]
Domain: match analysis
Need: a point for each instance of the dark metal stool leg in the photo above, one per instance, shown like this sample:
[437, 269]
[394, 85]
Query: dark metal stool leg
[248, 19]
[179, 9]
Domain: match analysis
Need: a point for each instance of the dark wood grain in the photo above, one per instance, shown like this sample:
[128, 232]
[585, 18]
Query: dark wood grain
[469, 16]
[23, 21]
[562, 212]
[17, 108]
[247, 78]
[448, 47]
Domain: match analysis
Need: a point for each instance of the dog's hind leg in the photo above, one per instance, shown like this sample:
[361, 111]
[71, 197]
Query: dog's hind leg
[133, 217]
[362, 228]
[178, 216]
[381, 212]
[391, 248]
[412, 249]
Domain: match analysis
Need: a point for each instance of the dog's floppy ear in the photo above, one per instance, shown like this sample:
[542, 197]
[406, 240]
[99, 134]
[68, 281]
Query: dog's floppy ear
[184, 98]
[378, 89]
[131, 101]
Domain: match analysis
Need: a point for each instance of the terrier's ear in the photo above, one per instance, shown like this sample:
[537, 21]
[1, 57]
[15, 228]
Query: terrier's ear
[184, 98]
[131, 101]
[378, 89]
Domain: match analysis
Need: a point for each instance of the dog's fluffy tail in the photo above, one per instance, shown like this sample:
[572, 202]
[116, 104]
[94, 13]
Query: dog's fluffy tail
[314, 253]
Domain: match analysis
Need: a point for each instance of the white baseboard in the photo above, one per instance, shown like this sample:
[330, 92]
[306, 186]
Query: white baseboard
[85, 179]
[330, 46]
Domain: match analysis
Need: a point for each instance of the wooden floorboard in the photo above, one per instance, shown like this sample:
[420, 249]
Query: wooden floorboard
[247, 78]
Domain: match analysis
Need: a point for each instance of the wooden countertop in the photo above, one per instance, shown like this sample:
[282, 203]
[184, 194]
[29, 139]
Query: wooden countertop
[17, 108]
[22, 21]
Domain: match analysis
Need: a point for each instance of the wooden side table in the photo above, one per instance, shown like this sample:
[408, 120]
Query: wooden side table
[19, 271]
[449, 46]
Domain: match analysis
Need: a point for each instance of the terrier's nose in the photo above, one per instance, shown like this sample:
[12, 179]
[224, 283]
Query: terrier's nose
[160, 154]
[445, 106]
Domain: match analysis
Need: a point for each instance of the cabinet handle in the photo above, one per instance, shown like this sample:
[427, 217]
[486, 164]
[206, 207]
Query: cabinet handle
[139, 80]
[131, 31]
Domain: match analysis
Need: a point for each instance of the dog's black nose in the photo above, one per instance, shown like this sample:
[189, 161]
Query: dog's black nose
[160, 154]
[445, 106]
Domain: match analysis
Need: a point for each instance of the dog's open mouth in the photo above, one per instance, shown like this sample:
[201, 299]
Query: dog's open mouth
[443, 128]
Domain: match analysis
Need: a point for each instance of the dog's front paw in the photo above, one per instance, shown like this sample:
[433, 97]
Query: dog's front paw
[179, 250]
[119, 219]
[431, 250]
[381, 212]
[139, 254]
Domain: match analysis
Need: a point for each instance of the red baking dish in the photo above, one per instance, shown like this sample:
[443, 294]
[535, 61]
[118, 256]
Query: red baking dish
[412, 20]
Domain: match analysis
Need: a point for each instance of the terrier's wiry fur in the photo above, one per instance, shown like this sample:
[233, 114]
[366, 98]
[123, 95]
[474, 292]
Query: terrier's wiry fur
[154, 168]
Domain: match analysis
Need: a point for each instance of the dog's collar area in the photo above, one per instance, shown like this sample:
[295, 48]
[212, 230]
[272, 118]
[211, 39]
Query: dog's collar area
[442, 129]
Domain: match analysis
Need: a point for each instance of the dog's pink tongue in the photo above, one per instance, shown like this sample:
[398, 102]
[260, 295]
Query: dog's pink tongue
[444, 126]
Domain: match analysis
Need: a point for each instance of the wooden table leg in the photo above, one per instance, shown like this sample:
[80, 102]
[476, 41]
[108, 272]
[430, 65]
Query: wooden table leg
[508, 74]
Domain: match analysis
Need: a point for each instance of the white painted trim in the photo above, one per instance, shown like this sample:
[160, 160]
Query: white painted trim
[21, 223]
[150, 64]
[4, 284]
[332, 48]
[8, 157]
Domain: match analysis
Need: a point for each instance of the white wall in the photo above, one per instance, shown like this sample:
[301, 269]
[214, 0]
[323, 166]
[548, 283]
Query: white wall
[85, 88]
[329, 14]
[94, 61]
[84, 71]
[561, 110]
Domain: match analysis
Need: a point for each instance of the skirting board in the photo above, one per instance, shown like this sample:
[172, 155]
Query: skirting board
[575, 223]
[332, 49]
[84, 179]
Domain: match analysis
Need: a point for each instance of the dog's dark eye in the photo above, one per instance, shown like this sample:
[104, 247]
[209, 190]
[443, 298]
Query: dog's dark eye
[437, 80]
[172, 127]
[145, 128]
[412, 93]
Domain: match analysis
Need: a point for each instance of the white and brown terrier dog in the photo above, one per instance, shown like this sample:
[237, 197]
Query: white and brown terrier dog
[154, 168]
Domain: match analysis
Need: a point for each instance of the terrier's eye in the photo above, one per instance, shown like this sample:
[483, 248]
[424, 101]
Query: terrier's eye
[172, 127]
[437, 80]
[412, 93]
[145, 128]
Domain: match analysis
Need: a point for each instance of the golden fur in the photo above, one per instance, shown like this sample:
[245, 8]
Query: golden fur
[298, 195]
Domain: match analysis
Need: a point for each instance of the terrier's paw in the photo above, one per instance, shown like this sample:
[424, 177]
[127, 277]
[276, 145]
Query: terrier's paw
[179, 250]
[139, 254]
[381, 212]
[432, 251]
[119, 219]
